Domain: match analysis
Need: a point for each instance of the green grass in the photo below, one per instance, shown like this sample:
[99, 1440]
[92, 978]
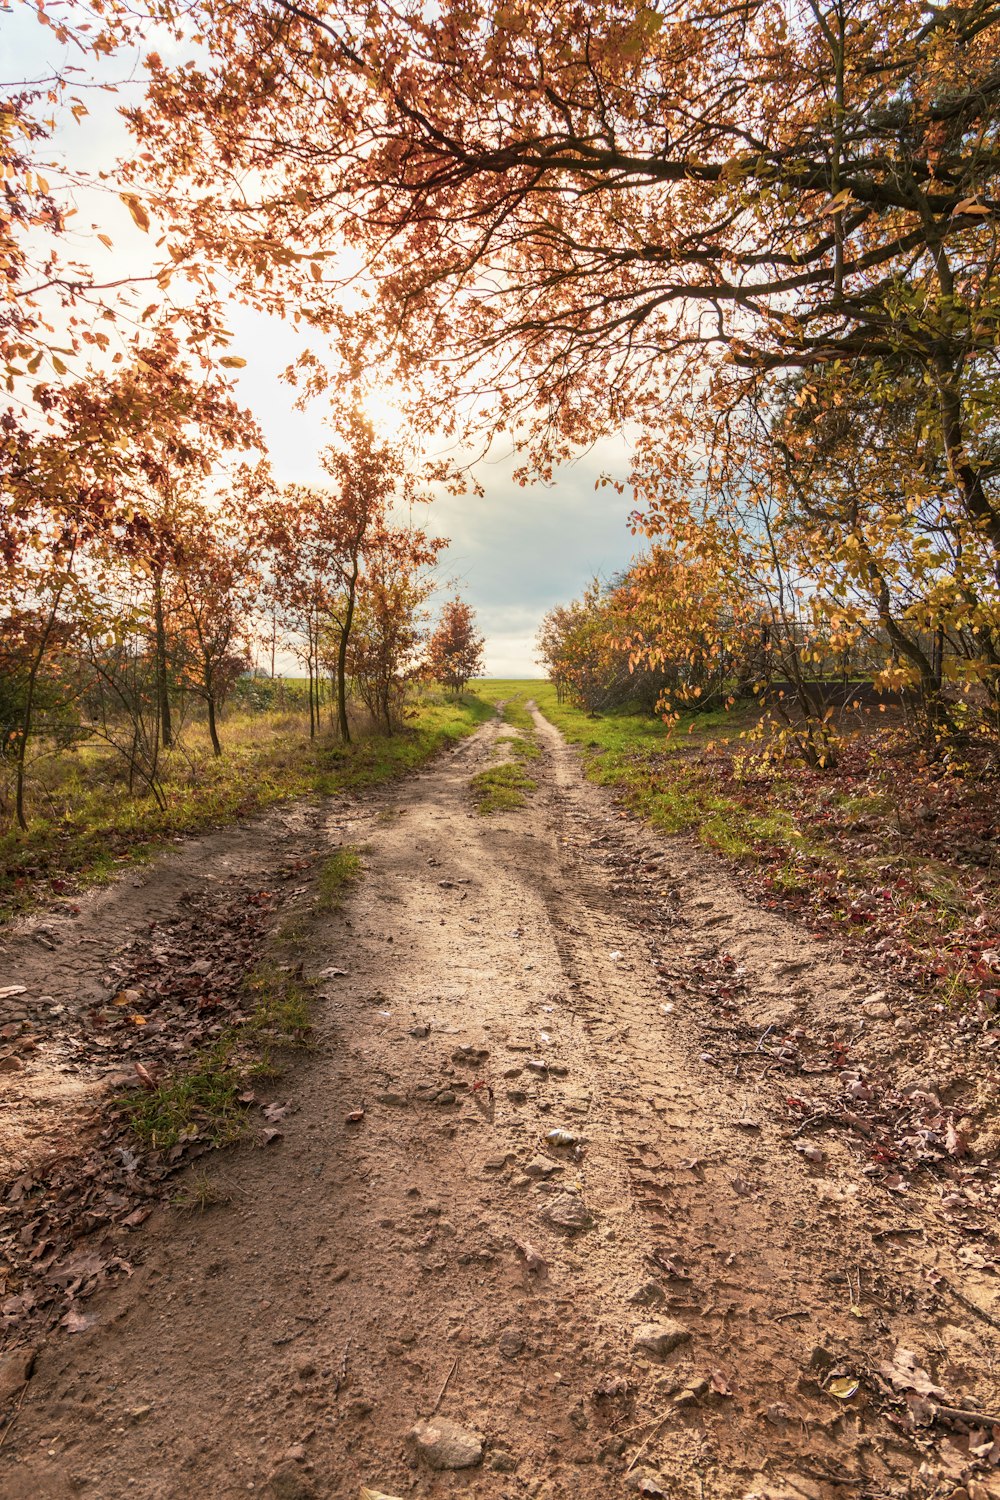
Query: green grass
[201, 1101]
[501, 788]
[520, 747]
[87, 825]
[342, 869]
[658, 769]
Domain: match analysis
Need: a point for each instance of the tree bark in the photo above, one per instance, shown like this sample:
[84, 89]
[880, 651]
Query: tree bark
[345, 635]
[162, 686]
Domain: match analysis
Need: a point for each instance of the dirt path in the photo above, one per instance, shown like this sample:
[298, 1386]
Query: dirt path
[507, 977]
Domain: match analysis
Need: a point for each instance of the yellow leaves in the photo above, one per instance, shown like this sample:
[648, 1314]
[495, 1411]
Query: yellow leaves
[58, 365]
[232, 362]
[107, 241]
[139, 215]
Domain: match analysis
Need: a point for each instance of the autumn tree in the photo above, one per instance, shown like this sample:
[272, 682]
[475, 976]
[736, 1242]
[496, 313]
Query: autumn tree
[388, 630]
[455, 650]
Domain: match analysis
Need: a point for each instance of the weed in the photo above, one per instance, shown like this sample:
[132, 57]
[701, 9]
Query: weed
[343, 868]
[202, 1101]
[199, 1193]
[282, 1013]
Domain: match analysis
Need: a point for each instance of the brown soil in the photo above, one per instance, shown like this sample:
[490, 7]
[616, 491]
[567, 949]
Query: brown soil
[365, 1275]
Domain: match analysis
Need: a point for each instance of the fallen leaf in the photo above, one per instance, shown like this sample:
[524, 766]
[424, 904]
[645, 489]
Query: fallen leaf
[533, 1260]
[275, 1112]
[719, 1383]
[75, 1322]
[267, 1136]
[844, 1387]
[905, 1374]
[367, 1494]
[355, 1117]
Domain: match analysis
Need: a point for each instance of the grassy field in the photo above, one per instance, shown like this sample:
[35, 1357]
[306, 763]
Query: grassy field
[86, 823]
[884, 850]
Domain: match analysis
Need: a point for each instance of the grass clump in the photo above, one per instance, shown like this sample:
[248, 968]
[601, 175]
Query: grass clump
[501, 788]
[200, 1103]
[342, 869]
[518, 746]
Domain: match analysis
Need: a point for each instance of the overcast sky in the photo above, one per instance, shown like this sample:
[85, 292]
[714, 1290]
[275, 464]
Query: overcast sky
[514, 552]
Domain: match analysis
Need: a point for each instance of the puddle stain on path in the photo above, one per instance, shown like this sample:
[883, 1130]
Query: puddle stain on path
[665, 1296]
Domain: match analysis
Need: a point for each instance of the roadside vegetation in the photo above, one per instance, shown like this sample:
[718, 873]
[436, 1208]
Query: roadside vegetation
[90, 824]
[880, 851]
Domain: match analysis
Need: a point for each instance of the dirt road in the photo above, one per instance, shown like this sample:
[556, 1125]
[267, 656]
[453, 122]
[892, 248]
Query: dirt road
[677, 1301]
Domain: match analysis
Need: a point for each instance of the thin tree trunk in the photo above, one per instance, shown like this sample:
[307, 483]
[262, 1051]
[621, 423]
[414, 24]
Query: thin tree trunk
[29, 703]
[212, 729]
[162, 685]
[345, 635]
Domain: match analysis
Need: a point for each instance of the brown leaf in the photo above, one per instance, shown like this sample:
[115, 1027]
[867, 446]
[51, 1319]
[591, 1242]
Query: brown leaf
[533, 1260]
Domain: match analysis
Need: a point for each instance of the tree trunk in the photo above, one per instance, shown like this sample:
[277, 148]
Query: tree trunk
[212, 729]
[345, 635]
[162, 686]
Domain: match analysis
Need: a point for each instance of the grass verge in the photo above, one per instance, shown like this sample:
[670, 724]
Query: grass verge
[883, 850]
[93, 826]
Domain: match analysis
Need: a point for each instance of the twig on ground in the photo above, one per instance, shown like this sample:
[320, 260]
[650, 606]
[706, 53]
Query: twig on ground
[646, 1442]
[440, 1394]
[973, 1307]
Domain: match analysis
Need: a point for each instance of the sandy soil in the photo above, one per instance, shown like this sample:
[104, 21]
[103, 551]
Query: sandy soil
[552, 968]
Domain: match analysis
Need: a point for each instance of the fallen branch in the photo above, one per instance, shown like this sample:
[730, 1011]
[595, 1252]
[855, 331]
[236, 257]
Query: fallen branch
[962, 1414]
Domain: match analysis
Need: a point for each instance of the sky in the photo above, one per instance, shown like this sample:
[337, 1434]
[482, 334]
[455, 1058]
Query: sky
[514, 552]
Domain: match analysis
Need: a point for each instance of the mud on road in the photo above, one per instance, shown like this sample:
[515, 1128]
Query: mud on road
[691, 1295]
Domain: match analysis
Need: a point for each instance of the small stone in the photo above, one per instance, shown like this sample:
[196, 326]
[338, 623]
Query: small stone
[876, 1010]
[537, 1065]
[645, 1482]
[517, 1096]
[11, 1064]
[567, 1211]
[510, 1343]
[648, 1294]
[540, 1166]
[392, 1096]
[446, 1096]
[15, 1371]
[420, 1031]
[445, 1445]
[659, 1339]
[502, 1463]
